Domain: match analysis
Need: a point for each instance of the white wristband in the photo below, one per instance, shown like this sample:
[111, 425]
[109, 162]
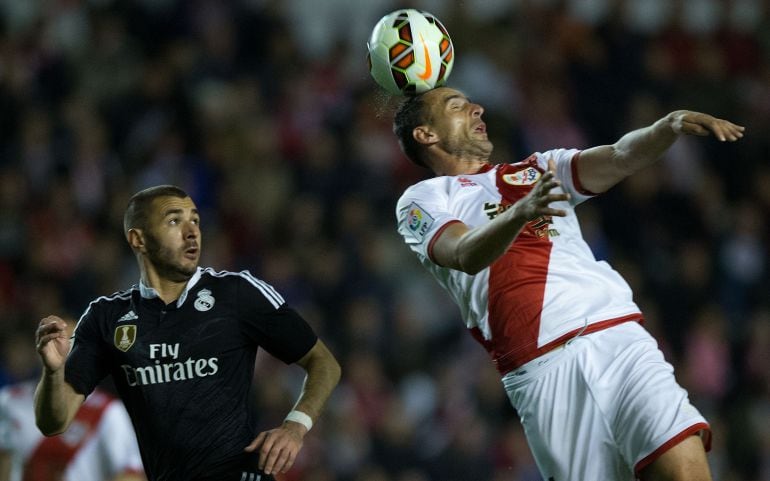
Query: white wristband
[300, 417]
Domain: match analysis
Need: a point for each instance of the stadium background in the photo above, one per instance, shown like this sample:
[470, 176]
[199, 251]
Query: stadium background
[264, 112]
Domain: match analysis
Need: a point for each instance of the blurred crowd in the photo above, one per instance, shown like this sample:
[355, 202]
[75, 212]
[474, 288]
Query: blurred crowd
[264, 112]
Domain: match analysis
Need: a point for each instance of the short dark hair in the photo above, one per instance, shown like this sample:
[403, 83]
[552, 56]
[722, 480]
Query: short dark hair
[410, 114]
[138, 208]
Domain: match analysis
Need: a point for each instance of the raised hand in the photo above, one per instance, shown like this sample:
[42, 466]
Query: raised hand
[52, 342]
[696, 123]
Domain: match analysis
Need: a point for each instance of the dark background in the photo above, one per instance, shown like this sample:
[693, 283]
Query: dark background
[264, 112]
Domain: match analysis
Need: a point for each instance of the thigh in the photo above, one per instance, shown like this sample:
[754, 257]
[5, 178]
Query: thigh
[568, 432]
[651, 413]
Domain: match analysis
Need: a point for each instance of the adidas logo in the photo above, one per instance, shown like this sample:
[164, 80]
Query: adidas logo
[130, 316]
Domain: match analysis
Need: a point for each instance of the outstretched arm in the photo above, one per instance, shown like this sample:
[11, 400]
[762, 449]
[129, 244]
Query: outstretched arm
[472, 249]
[600, 168]
[56, 403]
[279, 447]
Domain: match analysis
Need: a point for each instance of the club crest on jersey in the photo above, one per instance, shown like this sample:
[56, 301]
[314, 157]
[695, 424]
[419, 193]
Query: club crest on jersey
[205, 300]
[418, 221]
[125, 336]
[528, 176]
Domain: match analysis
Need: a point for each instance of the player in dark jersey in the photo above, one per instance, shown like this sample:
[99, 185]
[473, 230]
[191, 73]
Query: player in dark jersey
[181, 347]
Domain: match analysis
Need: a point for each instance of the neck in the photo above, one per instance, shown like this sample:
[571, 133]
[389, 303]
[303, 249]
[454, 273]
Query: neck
[168, 290]
[458, 166]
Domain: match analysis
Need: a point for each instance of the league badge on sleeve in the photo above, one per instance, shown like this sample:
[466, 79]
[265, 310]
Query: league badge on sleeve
[418, 222]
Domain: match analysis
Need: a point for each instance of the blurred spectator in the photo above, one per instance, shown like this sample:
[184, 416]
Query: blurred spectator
[264, 111]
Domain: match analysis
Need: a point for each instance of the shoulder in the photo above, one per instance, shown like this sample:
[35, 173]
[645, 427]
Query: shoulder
[426, 190]
[244, 281]
[105, 306]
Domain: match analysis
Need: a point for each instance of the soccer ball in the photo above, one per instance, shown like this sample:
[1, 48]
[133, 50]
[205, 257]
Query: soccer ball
[410, 52]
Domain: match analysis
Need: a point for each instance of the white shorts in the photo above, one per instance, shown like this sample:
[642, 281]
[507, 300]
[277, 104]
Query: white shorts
[603, 406]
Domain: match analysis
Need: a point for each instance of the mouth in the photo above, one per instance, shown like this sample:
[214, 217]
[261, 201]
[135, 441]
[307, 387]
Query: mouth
[481, 128]
[191, 252]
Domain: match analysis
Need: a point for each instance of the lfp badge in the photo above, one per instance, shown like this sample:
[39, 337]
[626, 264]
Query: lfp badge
[418, 221]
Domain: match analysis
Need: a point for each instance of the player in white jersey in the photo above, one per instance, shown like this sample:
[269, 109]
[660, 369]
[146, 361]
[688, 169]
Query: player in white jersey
[594, 394]
[103, 446]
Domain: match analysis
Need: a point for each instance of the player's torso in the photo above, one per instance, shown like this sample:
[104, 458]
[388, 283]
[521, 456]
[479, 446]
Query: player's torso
[184, 373]
[153, 344]
[545, 285]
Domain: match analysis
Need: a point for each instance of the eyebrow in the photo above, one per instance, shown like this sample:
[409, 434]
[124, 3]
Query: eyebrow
[454, 96]
[177, 211]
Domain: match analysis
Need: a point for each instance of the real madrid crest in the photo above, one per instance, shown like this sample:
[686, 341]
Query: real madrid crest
[205, 300]
[125, 335]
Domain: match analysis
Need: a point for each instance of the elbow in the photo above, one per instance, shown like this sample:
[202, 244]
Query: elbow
[50, 425]
[472, 270]
[469, 267]
[49, 429]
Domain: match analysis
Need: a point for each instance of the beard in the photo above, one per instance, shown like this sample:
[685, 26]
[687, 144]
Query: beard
[469, 148]
[162, 258]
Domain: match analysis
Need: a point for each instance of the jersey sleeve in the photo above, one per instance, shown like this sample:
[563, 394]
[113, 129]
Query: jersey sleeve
[86, 363]
[422, 213]
[566, 171]
[118, 447]
[269, 322]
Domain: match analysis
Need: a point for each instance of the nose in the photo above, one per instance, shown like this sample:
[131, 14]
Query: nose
[191, 230]
[477, 110]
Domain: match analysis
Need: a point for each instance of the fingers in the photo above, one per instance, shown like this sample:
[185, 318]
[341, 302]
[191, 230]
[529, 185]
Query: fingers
[695, 123]
[256, 443]
[278, 450]
[727, 131]
[551, 165]
[49, 329]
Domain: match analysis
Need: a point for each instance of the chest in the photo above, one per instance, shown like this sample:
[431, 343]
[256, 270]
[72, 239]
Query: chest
[477, 199]
[202, 328]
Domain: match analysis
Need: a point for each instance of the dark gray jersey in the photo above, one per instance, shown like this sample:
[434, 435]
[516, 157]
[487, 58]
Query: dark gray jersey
[184, 370]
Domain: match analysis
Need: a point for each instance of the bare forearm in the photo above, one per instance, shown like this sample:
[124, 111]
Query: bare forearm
[640, 148]
[323, 374]
[5, 465]
[602, 167]
[55, 403]
[481, 246]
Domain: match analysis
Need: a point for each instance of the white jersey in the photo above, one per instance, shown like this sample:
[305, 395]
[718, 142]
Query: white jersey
[99, 444]
[545, 288]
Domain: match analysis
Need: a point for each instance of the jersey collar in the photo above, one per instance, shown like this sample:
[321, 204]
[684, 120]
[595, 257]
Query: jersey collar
[148, 292]
[486, 168]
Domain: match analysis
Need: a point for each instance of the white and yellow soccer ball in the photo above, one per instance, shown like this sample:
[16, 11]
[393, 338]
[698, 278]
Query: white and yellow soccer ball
[410, 52]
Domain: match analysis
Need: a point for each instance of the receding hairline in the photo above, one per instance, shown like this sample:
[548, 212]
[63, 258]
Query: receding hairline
[137, 210]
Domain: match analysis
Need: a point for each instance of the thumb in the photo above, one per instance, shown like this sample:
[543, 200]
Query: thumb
[693, 128]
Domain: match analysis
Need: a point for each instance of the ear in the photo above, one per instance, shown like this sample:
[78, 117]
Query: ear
[424, 135]
[135, 239]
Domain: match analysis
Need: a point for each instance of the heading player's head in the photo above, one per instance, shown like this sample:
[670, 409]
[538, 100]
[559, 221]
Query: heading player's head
[162, 226]
[441, 123]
